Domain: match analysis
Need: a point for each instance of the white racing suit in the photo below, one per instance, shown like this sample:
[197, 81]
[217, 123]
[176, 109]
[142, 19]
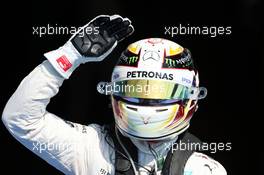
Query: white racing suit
[70, 147]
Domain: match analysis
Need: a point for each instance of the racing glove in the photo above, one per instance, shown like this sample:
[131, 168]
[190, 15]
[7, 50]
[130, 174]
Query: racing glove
[86, 46]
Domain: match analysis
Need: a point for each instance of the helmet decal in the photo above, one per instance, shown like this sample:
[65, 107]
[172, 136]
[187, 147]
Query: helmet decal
[129, 59]
[180, 60]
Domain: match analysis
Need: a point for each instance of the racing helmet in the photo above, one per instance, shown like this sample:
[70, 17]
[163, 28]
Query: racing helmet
[154, 90]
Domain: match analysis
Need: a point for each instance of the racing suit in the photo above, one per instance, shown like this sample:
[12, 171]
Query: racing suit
[70, 147]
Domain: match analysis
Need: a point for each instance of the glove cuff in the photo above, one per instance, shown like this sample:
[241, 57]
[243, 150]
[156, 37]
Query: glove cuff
[65, 59]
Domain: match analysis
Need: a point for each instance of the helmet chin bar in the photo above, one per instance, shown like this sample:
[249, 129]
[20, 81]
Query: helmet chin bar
[165, 137]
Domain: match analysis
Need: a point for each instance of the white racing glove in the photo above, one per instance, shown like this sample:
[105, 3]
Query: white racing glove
[86, 46]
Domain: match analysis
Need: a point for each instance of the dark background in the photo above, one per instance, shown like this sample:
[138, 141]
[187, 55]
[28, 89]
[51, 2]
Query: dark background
[230, 66]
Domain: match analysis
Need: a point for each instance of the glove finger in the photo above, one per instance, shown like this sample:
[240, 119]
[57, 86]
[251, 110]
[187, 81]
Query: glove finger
[122, 34]
[116, 21]
[101, 20]
[116, 28]
[126, 19]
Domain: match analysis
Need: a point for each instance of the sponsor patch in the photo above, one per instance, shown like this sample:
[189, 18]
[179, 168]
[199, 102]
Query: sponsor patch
[149, 74]
[182, 60]
[64, 63]
[128, 58]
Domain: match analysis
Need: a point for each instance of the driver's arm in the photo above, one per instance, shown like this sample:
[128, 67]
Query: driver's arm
[25, 114]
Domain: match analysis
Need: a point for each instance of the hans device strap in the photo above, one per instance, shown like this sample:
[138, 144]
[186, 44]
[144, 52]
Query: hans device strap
[174, 163]
[177, 158]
